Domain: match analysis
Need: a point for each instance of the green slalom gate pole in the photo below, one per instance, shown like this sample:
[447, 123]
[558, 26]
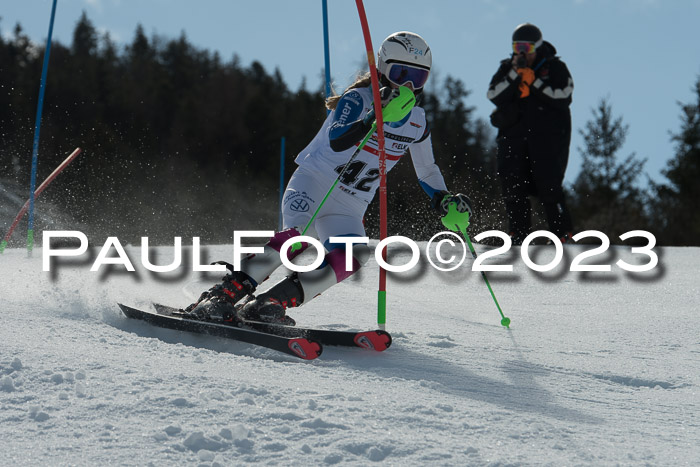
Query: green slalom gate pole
[459, 221]
[394, 111]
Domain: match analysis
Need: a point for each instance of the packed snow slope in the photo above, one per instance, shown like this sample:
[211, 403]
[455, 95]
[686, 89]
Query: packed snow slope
[597, 368]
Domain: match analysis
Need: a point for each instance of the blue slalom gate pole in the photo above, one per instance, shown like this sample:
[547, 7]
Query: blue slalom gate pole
[326, 49]
[37, 127]
[281, 180]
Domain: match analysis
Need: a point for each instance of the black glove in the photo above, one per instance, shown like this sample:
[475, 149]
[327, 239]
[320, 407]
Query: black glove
[386, 94]
[442, 199]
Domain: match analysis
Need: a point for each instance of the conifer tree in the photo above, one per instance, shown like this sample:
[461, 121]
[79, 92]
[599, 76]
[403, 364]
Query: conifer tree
[607, 197]
[676, 205]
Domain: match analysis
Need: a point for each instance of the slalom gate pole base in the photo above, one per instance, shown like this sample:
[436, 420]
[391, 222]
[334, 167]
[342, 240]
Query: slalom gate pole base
[30, 241]
[381, 310]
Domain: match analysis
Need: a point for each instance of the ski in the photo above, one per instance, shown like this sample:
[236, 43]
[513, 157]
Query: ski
[301, 347]
[377, 340]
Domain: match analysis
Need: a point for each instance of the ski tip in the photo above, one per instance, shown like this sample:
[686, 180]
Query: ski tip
[305, 349]
[378, 340]
[167, 310]
[129, 312]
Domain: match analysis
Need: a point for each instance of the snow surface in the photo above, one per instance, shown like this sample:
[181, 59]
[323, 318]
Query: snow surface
[596, 369]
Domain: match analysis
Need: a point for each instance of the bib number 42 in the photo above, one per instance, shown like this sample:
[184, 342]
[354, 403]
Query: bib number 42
[356, 176]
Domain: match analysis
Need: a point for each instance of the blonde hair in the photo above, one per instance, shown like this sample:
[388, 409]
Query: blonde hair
[362, 81]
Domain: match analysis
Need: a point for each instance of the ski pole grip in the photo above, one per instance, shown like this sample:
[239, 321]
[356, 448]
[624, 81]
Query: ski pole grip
[455, 220]
[400, 106]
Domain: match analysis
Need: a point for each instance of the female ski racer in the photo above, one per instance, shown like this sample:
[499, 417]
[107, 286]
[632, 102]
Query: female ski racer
[404, 59]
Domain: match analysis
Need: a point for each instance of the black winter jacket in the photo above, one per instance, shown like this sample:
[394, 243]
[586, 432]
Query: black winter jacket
[547, 106]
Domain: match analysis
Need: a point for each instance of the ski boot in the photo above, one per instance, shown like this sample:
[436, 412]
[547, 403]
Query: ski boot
[269, 307]
[217, 303]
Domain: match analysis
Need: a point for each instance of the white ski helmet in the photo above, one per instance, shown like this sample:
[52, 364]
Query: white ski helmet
[405, 57]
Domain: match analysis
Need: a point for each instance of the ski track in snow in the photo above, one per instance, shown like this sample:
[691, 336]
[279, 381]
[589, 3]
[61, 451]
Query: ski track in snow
[597, 369]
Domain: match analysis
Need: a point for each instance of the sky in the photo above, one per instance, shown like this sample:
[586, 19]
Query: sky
[639, 54]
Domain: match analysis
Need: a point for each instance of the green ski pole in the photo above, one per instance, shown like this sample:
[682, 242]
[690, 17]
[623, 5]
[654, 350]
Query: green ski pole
[459, 221]
[394, 111]
[296, 246]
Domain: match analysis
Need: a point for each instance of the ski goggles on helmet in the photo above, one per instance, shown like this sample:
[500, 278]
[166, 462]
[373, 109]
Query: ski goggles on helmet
[402, 74]
[524, 47]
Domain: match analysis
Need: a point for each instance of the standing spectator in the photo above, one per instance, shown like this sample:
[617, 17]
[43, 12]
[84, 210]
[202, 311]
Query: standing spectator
[532, 93]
